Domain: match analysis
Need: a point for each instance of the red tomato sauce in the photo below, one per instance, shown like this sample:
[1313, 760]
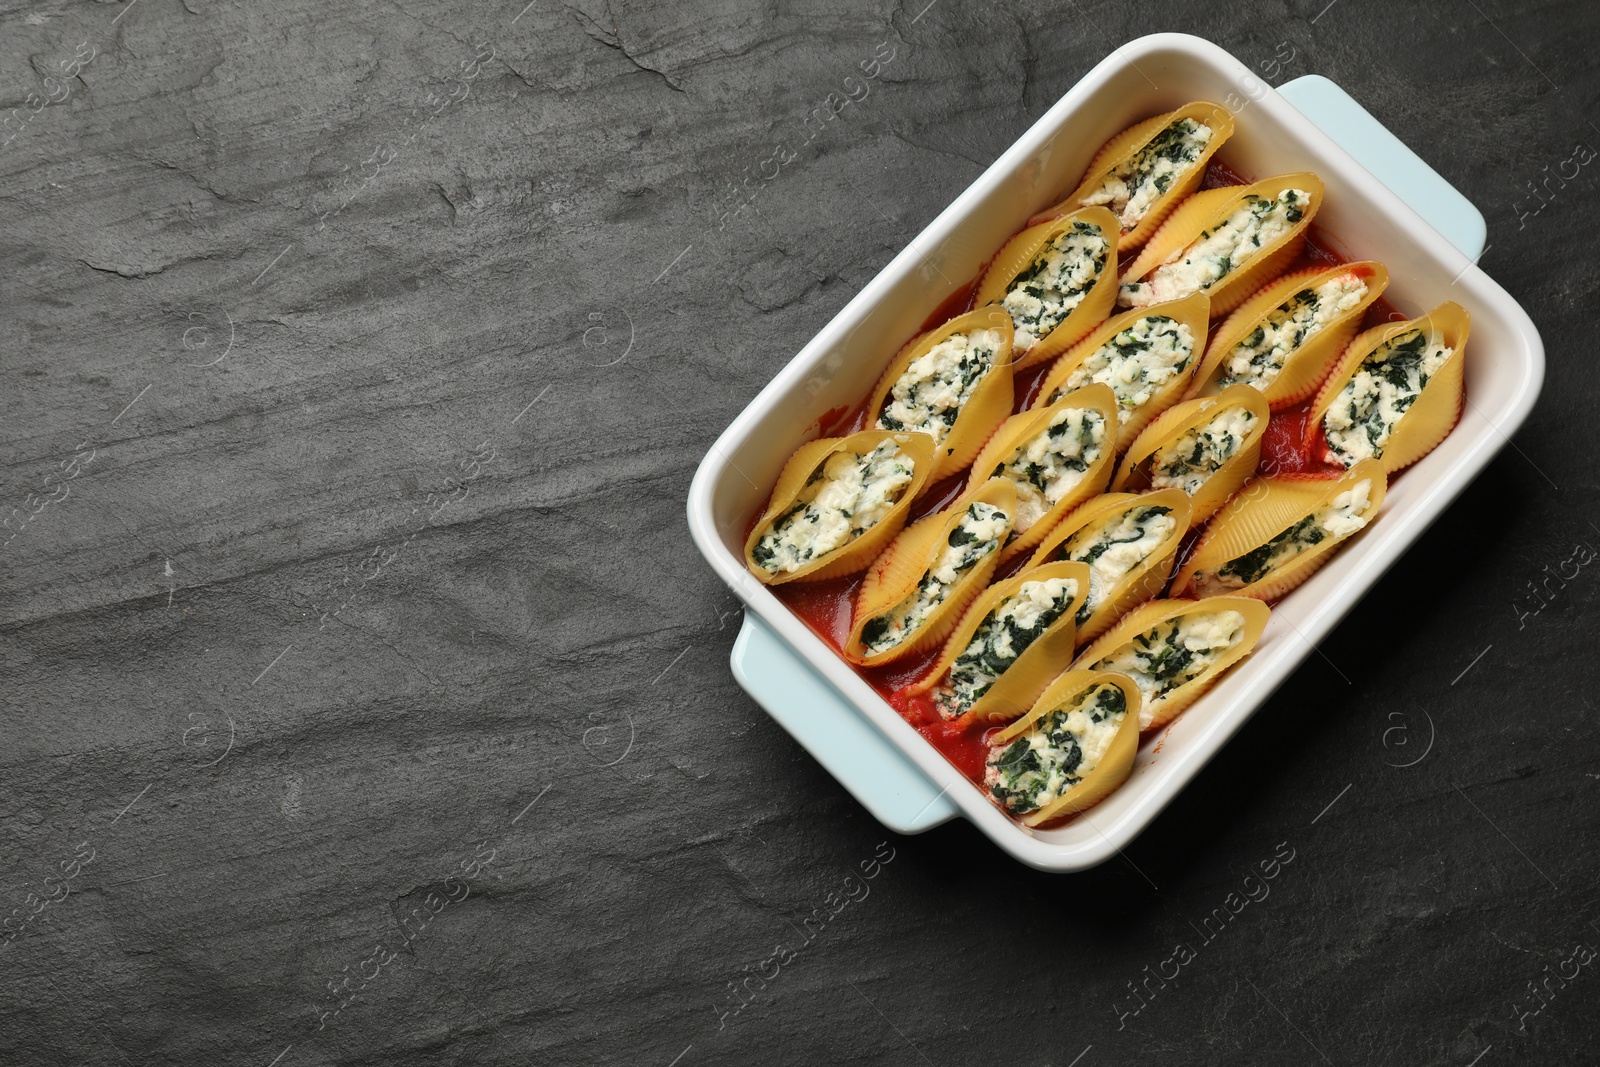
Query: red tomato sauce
[826, 607]
[957, 303]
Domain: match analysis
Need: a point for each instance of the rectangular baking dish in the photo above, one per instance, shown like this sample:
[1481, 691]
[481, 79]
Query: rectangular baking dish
[1382, 203]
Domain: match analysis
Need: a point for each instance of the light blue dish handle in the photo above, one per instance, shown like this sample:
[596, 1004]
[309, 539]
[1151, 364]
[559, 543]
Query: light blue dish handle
[893, 789]
[1337, 114]
[842, 740]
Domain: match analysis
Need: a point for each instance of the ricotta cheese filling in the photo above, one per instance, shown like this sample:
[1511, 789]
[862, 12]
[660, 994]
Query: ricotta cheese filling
[1003, 635]
[1341, 518]
[1364, 414]
[1057, 752]
[1055, 283]
[930, 392]
[1259, 358]
[1052, 463]
[1220, 251]
[1136, 362]
[1176, 652]
[1144, 177]
[843, 499]
[975, 538]
[1187, 461]
[1114, 548]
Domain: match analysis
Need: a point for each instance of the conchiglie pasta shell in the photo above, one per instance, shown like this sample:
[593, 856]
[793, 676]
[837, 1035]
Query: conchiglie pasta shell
[1115, 764]
[853, 555]
[988, 403]
[1204, 211]
[1019, 429]
[1158, 713]
[1179, 420]
[1192, 311]
[1436, 410]
[1129, 142]
[895, 574]
[1017, 253]
[1308, 364]
[1021, 683]
[1183, 225]
[1141, 582]
[1264, 509]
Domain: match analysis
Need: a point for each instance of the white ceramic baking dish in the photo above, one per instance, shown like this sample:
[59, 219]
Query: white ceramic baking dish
[1382, 203]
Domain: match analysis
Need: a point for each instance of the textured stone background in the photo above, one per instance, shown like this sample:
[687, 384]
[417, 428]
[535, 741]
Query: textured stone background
[324, 605]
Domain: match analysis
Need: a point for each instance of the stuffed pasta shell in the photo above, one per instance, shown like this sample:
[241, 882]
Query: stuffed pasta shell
[1396, 392]
[1072, 748]
[1147, 356]
[953, 384]
[1284, 340]
[1056, 280]
[837, 502]
[1055, 458]
[1277, 531]
[915, 592]
[1177, 649]
[1015, 638]
[1207, 447]
[1142, 173]
[1225, 242]
[1129, 542]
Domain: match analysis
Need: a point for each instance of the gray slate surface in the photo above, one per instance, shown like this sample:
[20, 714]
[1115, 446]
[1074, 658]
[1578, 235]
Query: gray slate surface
[324, 605]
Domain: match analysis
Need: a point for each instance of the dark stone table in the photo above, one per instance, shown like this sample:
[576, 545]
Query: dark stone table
[366, 702]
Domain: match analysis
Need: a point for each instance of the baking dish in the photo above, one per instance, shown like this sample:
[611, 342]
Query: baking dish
[1383, 203]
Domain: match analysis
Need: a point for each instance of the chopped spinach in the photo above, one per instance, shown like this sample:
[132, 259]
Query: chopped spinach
[996, 644]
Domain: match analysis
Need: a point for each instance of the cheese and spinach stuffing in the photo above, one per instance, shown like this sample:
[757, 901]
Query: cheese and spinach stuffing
[1051, 287]
[1364, 414]
[1003, 636]
[1220, 251]
[1341, 518]
[1144, 177]
[1259, 358]
[1176, 652]
[1057, 752]
[1052, 463]
[1136, 362]
[843, 499]
[1188, 461]
[1115, 547]
[974, 539]
[930, 393]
